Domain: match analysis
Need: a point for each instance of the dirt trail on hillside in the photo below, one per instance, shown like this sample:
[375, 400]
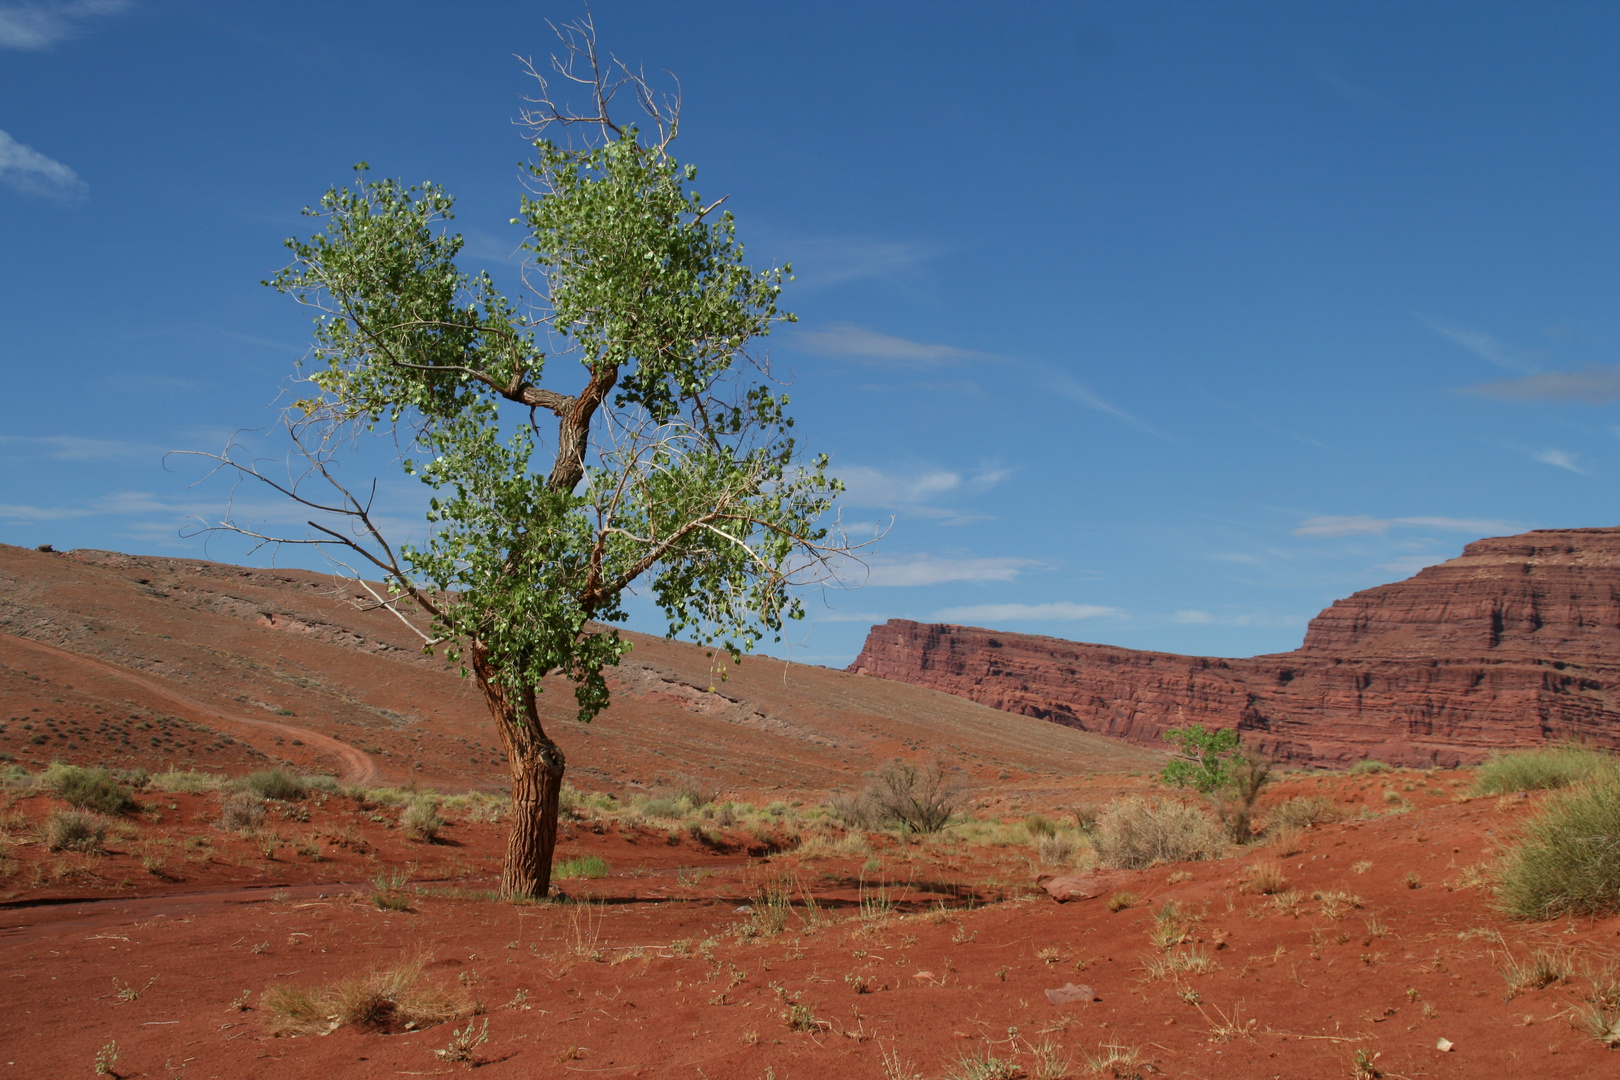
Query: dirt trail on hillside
[361, 766]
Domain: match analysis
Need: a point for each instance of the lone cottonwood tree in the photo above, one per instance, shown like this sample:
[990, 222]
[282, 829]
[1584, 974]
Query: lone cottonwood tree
[669, 463]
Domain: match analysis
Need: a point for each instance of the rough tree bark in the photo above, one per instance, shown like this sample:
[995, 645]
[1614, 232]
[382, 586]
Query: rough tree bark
[537, 765]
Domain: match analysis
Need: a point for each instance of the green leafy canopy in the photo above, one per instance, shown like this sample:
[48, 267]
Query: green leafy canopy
[669, 461]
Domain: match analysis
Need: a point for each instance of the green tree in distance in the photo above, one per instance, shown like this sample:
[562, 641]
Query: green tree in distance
[669, 461]
[1217, 764]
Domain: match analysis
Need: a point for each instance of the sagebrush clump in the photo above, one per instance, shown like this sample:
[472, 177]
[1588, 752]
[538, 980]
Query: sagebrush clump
[89, 789]
[1567, 859]
[1134, 832]
[74, 830]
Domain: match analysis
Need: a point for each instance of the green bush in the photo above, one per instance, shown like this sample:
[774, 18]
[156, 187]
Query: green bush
[1038, 826]
[74, 830]
[421, 820]
[1567, 860]
[277, 784]
[1545, 769]
[188, 781]
[1368, 766]
[581, 866]
[1134, 832]
[89, 789]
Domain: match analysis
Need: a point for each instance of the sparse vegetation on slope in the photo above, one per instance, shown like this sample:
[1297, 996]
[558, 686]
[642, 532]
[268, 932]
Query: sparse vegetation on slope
[1545, 769]
[1567, 860]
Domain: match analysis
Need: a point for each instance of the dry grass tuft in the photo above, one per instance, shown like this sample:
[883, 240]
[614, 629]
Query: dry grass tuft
[1133, 833]
[387, 1001]
[1542, 969]
[1263, 878]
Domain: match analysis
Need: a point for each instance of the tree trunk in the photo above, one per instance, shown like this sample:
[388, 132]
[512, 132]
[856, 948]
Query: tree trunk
[537, 766]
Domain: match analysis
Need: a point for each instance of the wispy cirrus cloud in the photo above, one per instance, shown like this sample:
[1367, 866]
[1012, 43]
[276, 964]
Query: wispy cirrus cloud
[843, 260]
[924, 569]
[81, 447]
[845, 340]
[1558, 459]
[1482, 345]
[1593, 385]
[1195, 617]
[1074, 391]
[1060, 611]
[43, 23]
[1364, 525]
[914, 493]
[30, 172]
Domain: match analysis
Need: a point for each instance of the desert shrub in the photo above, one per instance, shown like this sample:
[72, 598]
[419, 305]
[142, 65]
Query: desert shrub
[1055, 848]
[326, 785]
[1038, 826]
[664, 806]
[421, 821]
[1539, 770]
[277, 784]
[1303, 812]
[695, 789]
[913, 798]
[1368, 766]
[378, 1000]
[187, 780]
[1264, 878]
[89, 789]
[1248, 772]
[1135, 832]
[854, 809]
[1567, 859]
[74, 830]
[581, 866]
[241, 811]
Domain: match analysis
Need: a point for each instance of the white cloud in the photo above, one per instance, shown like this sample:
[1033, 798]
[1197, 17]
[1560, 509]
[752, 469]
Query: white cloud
[1481, 345]
[1410, 564]
[1194, 617]
[1363, 525]
[44, 22]
[933, 570]
[1594, 385]
[21, 513]
[32, 173]
[1558, 459]
[846, 616]
[839, 261]
[913, 493]
[82, 448]
[1061, 611]
[857, 341]
[1072, 390]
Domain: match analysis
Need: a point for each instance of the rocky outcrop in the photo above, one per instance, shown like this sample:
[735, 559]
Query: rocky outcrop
[1514, 643]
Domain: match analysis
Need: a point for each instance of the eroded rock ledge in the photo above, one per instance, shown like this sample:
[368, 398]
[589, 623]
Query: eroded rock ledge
[1516, 642]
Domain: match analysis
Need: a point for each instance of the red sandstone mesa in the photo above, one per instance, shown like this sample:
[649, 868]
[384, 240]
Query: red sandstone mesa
[1514, 643]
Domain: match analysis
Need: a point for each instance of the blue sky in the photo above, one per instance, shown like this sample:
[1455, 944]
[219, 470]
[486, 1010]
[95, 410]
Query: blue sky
[1162, 325]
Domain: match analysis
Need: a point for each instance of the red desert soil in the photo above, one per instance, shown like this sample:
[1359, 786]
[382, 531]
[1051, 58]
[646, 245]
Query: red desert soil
[1383, 943]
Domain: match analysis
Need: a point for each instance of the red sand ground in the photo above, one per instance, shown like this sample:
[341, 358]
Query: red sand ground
[627, 985]
[654, 978]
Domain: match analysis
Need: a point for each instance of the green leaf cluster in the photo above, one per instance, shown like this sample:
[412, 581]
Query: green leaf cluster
[669, 462]
[1206, 757]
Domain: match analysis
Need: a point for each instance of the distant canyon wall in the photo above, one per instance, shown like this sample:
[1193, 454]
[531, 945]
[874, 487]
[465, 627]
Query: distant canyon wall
[1516, 642]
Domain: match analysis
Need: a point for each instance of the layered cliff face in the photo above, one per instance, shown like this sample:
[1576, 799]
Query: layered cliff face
[1514, 643]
